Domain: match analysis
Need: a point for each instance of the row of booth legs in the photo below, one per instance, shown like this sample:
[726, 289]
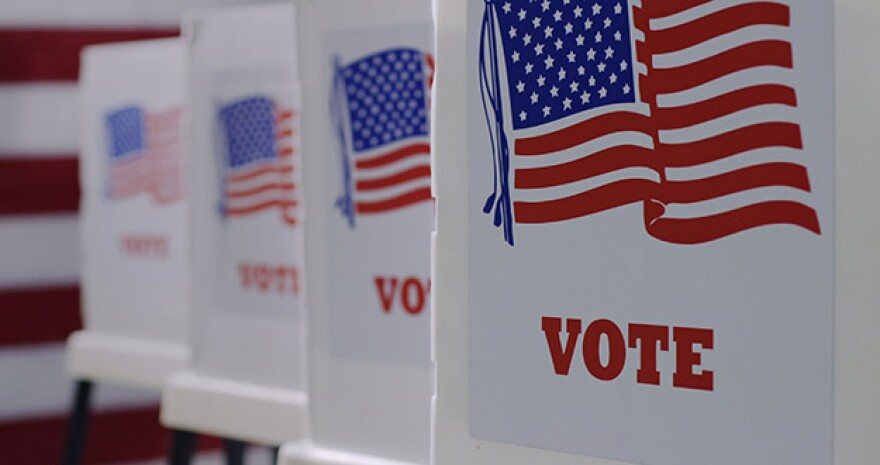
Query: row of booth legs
[183, 443]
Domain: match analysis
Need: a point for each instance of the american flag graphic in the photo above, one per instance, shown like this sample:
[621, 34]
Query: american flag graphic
[258, 134]
[144, 154]
[686, 106]
[380, 107]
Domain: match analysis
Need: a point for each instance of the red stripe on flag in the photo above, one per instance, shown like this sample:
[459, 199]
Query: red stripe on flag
[763, 53]
[602, 198]
[726, 104]
[400, 201]
[53, 54]
[283, 116]
[710, 228]
[581, 132]
[35, 185]
[421, 171]
[432, 67]
[770, 174]
[717, 24]
[113, 436]
[38, 315]
[262, 206]
[605, 161]
[286, 187]
[284, 169]
[391, 157]
[731, 143]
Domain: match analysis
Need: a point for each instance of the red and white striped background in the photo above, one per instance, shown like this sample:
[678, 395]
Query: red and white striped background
[40, 41]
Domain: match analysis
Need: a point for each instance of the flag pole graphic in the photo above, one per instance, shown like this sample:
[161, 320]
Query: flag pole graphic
[345, 202]
[490, 90]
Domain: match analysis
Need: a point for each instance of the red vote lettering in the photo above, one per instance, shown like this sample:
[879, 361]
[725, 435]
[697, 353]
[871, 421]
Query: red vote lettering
[412, 287]
[646, 338]
[686, 359]
[412, 293]
[386, 296]
[616, 350]
[261, 274]
[269, 278]
[145, 245]
[561, 358]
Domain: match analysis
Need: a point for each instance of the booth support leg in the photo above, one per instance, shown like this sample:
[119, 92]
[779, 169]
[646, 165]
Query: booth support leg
[234, 451]
[77, 424]
[183, 445]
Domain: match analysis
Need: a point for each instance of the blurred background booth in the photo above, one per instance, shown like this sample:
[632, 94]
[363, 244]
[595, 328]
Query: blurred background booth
[247, 382]
[368, 68]
[135, 230]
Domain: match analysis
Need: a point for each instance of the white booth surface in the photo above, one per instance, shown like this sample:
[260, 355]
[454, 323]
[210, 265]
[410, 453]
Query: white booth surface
[657, 239]
[247, 380]
[135, 235]
[368, 67]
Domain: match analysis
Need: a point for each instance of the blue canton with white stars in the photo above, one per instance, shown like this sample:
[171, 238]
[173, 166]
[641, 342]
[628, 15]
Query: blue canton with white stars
[386, 98]
[565, 56]
[126, 131]
[249, 129]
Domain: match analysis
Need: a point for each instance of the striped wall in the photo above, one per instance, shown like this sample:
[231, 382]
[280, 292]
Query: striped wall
[40, 41]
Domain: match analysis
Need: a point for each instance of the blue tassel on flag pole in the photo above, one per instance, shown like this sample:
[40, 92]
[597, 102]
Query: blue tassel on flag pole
[345, 202]
[490, 90]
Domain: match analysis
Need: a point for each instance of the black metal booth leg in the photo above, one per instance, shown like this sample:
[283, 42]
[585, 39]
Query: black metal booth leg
[234, 451]
[183, 445]
[77, 424]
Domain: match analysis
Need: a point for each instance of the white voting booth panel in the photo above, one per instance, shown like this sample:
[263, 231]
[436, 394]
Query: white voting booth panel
[247, 380]
[367, 67]
[656, 237]
[134, 214]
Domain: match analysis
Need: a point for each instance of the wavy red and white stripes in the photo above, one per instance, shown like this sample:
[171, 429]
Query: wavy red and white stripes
[390, 178]
[724, 105]
[584, 167]
[715, 147]
[159, 169]
[271, 185]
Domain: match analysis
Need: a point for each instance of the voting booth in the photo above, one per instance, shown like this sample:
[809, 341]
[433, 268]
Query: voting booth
[134, 228]
[657, 235]
[134, 214]
[247, 381]
[368, 67]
